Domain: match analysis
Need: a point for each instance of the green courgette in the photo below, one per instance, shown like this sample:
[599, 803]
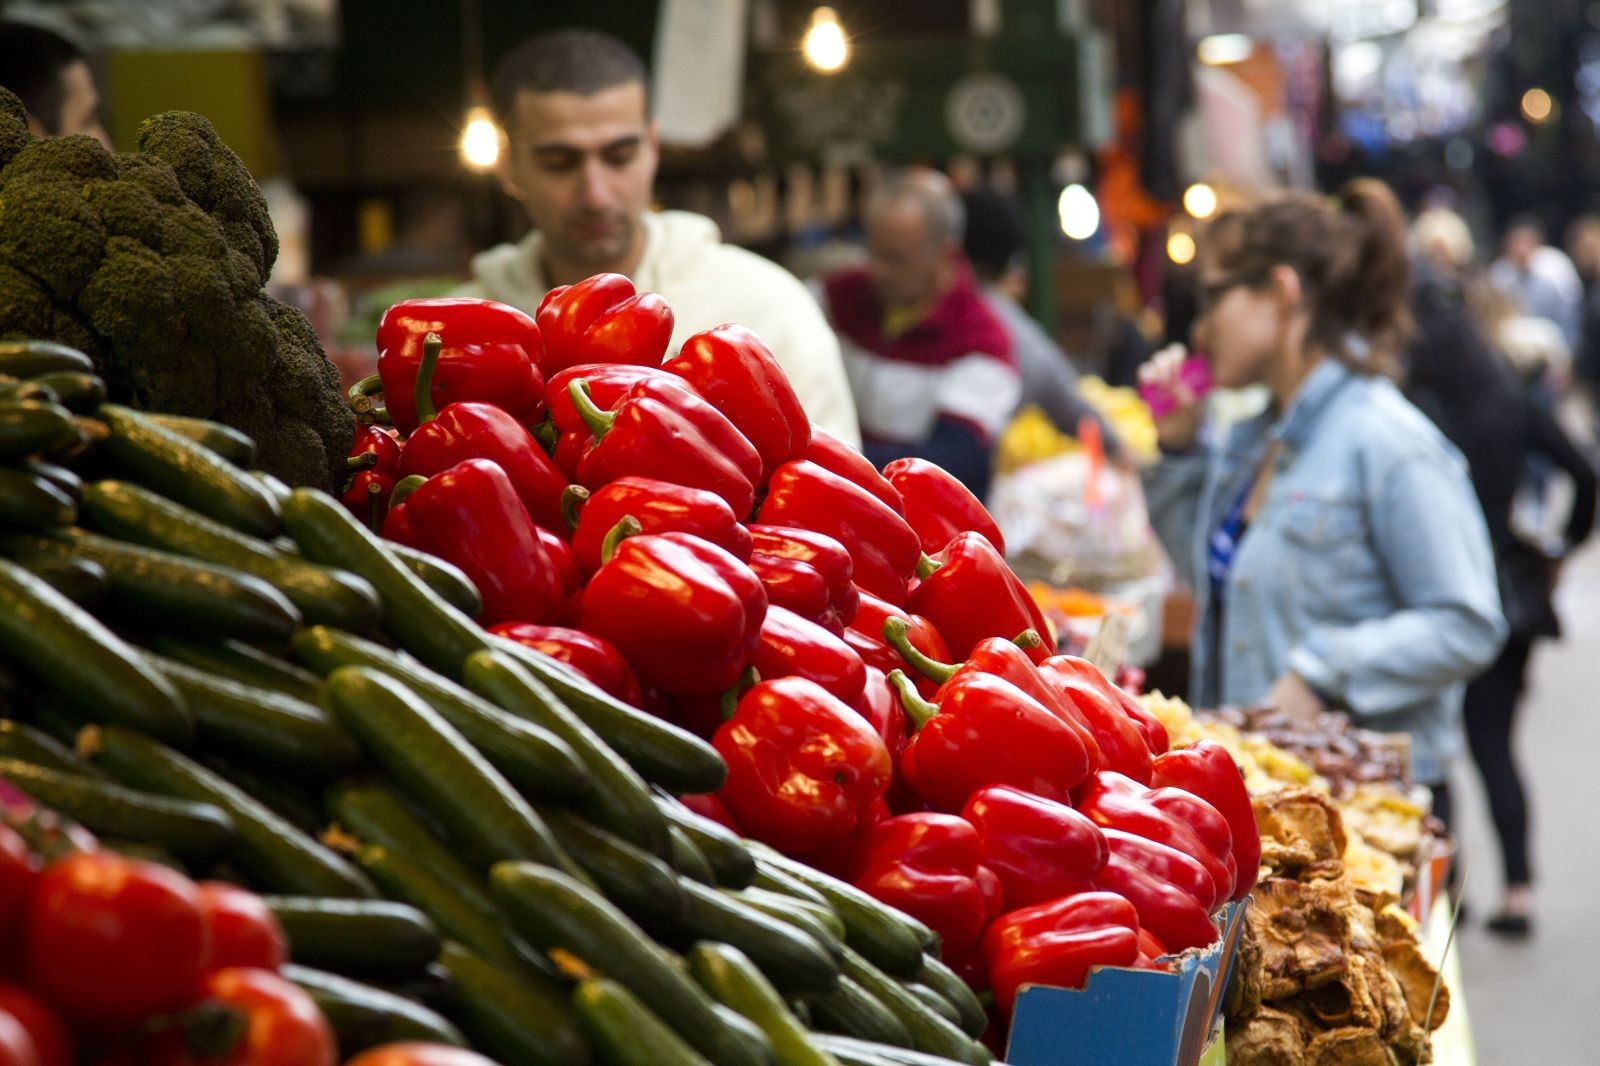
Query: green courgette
[83, 581]
[21, 741]
[458, 907]
[891, 939]
[624, 1031]
[225, 441]
[516, 1017]
[730, 860]
[446, 579]
[791, 959]
[819, 923]
[853, 1052]
[644, 887]
[363, 1017]
[733, 980]
[29, 359]
[930, 1032]
[357, 938]
[28, 427]
[689, 860]
[972, 1017]
[31, 502]
[851, 1010]
[70, 484]
[241, 662]
[76, 390]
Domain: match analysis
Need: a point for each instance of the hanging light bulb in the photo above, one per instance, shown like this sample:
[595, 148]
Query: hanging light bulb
[1079, 214]
[1200, 200]
[825, 45]
[480, 139]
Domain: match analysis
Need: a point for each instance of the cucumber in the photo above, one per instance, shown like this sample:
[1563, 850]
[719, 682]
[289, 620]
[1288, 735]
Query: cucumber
[934, 1002]
[82, 581]
[733, 980]
[665, 755]
[514, 1017]
[283, 797]
[29, 501]
[438, 634]
[772, 879]
[792, 960]
[618, 800]
[189, 473]
[460, 909]
[445, 578]
[76, 390]
[48, 636]
[272, 853]
[819, 923]
[929, 1031]
[553, 912]
[357, 938]
[243, 663]
[892, 939]
[644, 887]
[31, 426]
[363, 1017]
[260, 725]
[225, 441]
[20, 741]
[29, 359]
[275, 488]
[536, 761]
[688, 860]
[851, 1010]
[59, 476]
[194, 831]
[172, 590]
[323, 595]
[852, 1052]
[970, 1012]
[13, 390]
[434, 763]
[625, 1032]
[730, 860]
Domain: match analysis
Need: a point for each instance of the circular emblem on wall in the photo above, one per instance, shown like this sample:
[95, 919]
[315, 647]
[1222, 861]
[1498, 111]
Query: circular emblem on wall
[985, 112]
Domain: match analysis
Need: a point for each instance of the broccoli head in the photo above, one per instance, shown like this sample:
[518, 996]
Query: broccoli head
[126, 210]
[49, 231]
[25, 305]
[14, 135]
[131, 301]
[76, 158]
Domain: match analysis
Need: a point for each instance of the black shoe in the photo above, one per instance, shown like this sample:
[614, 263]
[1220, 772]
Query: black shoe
[1514, 926]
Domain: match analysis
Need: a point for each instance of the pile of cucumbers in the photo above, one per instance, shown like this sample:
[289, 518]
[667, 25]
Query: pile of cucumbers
[465, 841]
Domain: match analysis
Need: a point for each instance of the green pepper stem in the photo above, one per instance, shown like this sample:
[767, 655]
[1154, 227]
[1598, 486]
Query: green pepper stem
[404, 488]
[573, 498]
[375, 506]
[898, 635]
[926, 565]
[547, 435]
[627, 527]
[730, 698]
[431, 347]
[1028, 639]
[367, 386]
[364, 461]
[917, 709]
[598, 421]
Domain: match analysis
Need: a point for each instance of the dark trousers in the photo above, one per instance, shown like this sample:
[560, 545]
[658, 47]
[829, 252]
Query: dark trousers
[1490, 711]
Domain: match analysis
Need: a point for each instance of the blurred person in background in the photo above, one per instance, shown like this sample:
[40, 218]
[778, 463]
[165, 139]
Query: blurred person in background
[1540, 279]
[931, 366]
[52, 78]
[993, 245]
[1583, 244]
[580, 155]
[1338, 556]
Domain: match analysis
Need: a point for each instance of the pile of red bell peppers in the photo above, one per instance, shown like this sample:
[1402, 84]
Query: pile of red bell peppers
[851, 640]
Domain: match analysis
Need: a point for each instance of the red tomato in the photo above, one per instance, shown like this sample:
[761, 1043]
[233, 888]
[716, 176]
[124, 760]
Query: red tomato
[283, 1027]
[418, 1054]
[19, 870]
[244, 932]
[49, 1036]
[16, 1047]
[111, 940]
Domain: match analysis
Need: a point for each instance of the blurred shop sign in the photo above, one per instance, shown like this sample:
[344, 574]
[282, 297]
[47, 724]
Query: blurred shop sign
[698, 68]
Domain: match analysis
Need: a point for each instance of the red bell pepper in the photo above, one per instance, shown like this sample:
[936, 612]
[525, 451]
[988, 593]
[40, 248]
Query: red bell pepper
[1147, 725]
[477, 430]
[864, 633]
[707, 805]
[927, 866]
[986, 731]
[1058, 943]
[737, 375]
[1167, 888]
[802, 766]
[973, 594]
[471, 515]
[807, 572]
[1040, 849]
[491, 353]
[662, 429]
[594, 657]
[606, 383]
[842, 858]
[1205, 769]
[831, 453]
[792, 646]
[938, 506]
[1169, 816]
[603, 319]
[683, 612]
[1122, 747]
[659, 507]
[880, 706]
[882, 547]
[374, 460]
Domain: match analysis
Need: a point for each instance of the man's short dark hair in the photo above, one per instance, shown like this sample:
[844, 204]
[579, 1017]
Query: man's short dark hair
[31, 61]
[993, 241]
[568, 61]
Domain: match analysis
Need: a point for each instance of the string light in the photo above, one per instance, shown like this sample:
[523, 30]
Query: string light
[1537, 106]
[1200, 200]
[825, 45]
[1080, 215]
[1180, 248]
[480, 140]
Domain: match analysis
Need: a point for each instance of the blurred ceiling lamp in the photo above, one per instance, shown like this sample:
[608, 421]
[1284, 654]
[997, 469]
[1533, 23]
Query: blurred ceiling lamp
[825, 45]
[1220, 49]
[1180, 248]
[1200, 200]
[1537, 106]
[480, 139]
[1080, 215]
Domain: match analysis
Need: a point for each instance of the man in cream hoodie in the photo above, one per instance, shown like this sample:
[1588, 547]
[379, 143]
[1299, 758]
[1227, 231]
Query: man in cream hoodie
[580, 154]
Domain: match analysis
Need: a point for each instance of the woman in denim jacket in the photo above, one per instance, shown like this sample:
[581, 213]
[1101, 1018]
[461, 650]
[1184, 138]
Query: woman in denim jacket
[1337, 552]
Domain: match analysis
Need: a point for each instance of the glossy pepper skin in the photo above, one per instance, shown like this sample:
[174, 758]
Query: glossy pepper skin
[938, 506]
[384, 445]
[973, 594]
[736, 373]
[1040, 849]
[684, 613]
[603, 319]
[1147, 725]
[491, 353]
[927, 865]
[471, 515]
[985, 731]
[1170, 816]
[1168, 889]
[882, 547]
[607, 383]
[1122, 747]
[833, 454]
[1205, 769]
[659, 507]
[865, 634]
[1058, 943]
[809, 573]
[662, 429]
[792, 646]
[802, 766]
[594, 657]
